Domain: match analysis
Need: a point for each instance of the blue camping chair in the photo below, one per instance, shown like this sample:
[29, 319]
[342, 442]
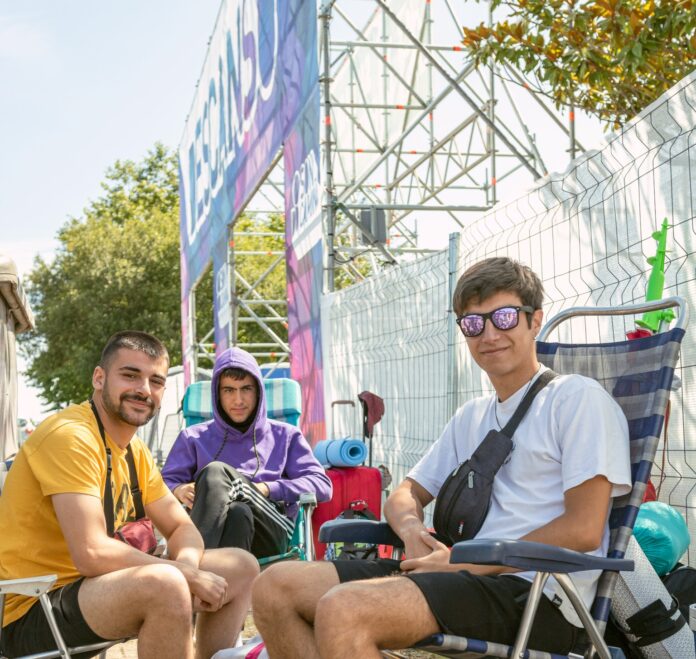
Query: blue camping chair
[283, 403]
[638, 374]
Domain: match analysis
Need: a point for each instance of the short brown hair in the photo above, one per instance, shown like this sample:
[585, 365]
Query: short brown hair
[133, 340]
[494, 275]
[234, 373]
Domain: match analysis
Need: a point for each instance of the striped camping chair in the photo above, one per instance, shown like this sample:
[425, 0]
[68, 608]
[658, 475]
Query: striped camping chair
[283, 401]
[638, 374]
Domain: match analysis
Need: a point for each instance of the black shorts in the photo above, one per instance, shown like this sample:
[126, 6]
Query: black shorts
[31, 633]
[485, 608]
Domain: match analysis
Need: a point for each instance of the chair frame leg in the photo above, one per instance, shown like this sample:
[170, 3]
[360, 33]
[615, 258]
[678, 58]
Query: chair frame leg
[308, 533]
[46, 605]
[598, 644]
[530, 609]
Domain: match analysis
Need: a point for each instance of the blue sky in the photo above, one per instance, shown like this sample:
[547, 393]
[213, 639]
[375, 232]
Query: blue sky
[84, 84]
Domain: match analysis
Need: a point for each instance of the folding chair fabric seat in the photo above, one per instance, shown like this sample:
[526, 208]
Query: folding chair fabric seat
[283, 401]
[197, 405]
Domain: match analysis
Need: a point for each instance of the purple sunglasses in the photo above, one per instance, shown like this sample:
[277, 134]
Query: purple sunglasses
[504, 318]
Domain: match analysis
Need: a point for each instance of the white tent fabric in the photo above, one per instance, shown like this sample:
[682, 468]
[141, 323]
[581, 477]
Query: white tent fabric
[15, 317]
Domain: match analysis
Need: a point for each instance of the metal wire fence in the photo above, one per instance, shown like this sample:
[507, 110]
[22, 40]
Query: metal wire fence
[588, 233]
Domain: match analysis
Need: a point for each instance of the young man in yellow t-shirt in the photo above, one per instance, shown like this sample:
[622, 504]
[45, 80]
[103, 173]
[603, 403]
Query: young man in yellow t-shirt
[52, 521]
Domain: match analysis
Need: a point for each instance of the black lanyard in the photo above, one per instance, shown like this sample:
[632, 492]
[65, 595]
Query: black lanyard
[134, 487]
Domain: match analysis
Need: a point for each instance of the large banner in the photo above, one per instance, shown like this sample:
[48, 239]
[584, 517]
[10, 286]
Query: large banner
[259, 88]
[305, 267]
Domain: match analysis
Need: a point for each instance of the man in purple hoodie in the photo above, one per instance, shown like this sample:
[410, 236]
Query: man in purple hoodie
[240, 473]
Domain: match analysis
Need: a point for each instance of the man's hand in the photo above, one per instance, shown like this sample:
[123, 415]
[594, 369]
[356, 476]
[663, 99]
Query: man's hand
[185, 493]
[263, 488]
[435, 560]
[209, 590]
[416, 543]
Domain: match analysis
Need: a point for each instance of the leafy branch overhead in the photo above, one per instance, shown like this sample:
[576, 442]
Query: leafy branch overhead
[610, 58]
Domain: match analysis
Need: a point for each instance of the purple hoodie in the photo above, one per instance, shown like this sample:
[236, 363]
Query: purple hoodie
[283, 459]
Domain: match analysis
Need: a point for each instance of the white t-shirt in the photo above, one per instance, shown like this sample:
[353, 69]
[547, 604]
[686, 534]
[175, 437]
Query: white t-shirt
[573, 432]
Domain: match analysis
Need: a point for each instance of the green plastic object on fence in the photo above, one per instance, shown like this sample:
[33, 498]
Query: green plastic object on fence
[656, 283]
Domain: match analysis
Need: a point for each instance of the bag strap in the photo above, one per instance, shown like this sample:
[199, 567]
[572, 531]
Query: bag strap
[135, 487]
[539, 384]
[108, 495]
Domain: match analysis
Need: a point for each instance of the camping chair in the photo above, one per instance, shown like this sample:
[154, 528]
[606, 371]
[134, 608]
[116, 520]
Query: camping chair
[283, 403]
[638, 374]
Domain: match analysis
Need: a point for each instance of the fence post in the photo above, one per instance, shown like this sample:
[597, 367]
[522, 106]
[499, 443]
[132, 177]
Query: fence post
[453, 349]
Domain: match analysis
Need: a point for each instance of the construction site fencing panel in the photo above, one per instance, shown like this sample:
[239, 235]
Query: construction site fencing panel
[588, 233]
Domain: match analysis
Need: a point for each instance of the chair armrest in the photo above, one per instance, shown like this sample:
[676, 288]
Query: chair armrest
[31, 587]
[527, 555]
[308, 499]
[359, 530]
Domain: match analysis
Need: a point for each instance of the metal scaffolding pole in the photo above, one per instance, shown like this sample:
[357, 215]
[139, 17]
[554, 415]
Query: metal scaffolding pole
[413, 133]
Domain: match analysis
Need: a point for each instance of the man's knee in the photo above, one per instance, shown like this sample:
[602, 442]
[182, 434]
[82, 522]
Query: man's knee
[340, 606]
[275, 587]
[214, 471]
[164, 585]
[234, 564]
[239, 513]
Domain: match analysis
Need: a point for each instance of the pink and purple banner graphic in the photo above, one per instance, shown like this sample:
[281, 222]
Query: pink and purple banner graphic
[304, 262]
[259, 90]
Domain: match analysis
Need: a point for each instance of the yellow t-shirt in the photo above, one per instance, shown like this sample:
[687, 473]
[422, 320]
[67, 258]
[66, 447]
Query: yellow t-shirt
[65, 454]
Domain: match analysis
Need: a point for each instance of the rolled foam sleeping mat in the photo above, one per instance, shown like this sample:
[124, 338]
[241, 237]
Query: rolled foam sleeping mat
[341, 452]
[642, 589]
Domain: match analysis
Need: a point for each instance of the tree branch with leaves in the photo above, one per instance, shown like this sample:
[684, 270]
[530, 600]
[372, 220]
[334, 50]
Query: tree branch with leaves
[610, 58]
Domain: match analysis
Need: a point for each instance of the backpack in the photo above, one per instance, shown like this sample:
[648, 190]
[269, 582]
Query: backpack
[354, 550]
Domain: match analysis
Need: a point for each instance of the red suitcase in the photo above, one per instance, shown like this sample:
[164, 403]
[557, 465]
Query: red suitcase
[354, 488]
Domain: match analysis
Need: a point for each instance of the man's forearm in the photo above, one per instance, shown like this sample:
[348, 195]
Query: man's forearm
[109, 555]
[404, 514]
[185, 545]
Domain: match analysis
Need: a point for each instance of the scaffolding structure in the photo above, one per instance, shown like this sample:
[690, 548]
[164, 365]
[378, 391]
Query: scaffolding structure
[416, 143]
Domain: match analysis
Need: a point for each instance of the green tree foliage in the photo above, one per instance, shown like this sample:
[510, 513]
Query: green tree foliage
[116, 268]
[611, 58]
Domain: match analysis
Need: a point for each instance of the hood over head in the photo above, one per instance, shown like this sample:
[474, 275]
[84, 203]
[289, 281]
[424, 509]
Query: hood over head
[238, 358]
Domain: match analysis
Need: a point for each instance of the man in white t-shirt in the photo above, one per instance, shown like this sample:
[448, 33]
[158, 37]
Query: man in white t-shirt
[570, 457]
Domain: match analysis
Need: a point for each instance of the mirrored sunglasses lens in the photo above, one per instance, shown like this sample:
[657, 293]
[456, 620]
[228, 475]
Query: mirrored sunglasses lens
[472, 325]
[505, 319]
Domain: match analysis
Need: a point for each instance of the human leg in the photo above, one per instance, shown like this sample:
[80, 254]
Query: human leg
[218, 630]
[248, 526]
[210, 505]
[284, 601]
[356, 618]
[238, 528]
[32, 634]
[490, 608]
[151, 602]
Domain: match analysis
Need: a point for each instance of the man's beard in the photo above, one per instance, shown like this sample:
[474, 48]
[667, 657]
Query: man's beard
[120, 410]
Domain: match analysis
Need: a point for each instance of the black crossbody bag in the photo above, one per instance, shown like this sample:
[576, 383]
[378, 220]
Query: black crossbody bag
[463, 501]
